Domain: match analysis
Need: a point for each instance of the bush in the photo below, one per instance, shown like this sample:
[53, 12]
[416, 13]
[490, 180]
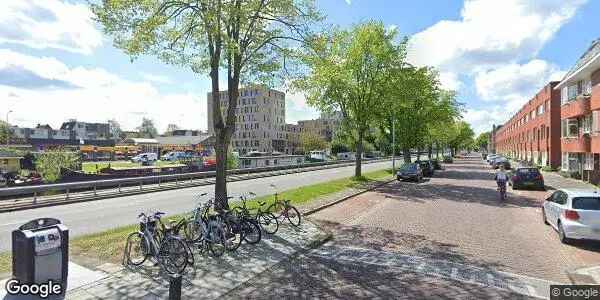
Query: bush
[548, 169]
[567, 174]
[50, 164]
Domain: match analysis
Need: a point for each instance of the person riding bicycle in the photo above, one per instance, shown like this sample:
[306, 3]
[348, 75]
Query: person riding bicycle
[501, 177]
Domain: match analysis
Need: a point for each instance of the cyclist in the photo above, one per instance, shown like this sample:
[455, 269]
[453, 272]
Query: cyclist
[501, 177]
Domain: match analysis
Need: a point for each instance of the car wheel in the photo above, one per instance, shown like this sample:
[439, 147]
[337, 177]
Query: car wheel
[398, 178]
[562, 236]
[544, 217]
[515, 187]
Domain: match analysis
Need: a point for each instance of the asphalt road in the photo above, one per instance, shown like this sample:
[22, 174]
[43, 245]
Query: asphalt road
[94, 216]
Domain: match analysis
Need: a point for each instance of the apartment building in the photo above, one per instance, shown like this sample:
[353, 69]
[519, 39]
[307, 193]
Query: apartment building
[260, 124]
[533, 133]
[71, 133]
[325, 126]
[580, 116]
[293, 144]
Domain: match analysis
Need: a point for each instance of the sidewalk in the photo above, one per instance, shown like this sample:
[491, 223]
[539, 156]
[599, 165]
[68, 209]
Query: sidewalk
[555, 181]
[210, 278]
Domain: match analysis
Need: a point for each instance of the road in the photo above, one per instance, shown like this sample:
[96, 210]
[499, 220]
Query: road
[447, 238]
[95, 216]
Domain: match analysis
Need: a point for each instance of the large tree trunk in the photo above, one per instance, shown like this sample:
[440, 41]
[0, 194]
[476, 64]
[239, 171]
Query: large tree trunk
[406, 155]
[359, 151]
[221, 176]
[437, 150]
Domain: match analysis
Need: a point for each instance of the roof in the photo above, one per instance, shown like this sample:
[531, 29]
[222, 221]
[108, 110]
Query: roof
[592, 53]
[579, 192]
[181, 139]
[142, 141]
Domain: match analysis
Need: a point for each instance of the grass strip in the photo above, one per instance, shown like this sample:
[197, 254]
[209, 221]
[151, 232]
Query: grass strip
[108, 246]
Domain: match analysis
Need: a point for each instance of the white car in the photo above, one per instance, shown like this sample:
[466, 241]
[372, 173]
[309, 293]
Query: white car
[574, 213]
[490, 157]
[144, 157]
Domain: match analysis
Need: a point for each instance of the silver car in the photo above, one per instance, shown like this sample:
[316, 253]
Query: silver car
[574, 213]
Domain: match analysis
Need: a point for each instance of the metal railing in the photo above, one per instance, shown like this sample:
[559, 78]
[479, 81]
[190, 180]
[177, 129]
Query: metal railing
[39, 194]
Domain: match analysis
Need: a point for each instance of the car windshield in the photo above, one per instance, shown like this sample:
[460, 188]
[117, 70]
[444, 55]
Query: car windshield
[408, 167]
[587, 203]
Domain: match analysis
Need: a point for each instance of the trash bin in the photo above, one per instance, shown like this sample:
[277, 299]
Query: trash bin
[40, 252]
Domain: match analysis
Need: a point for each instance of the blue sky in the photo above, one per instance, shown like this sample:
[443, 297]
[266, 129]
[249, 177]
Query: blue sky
[56, 64]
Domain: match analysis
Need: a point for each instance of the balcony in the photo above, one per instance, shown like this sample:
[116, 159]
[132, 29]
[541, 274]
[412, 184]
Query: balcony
[573, 109]
[580, 144]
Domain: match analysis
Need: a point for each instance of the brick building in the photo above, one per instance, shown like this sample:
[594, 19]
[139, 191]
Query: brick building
[580, 116]
[533, 133]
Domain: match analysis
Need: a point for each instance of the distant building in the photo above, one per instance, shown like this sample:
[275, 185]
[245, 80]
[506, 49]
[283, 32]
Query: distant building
[293, 144]
[325, 126]
[71, 133]
[260, 124]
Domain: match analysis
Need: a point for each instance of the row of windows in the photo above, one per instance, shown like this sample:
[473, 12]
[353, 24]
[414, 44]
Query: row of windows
[531, 115]
[531, 135]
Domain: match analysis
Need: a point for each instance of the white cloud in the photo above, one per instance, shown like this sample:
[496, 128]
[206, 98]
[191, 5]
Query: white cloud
[450, 81]
[490, 33]
[156, 78]
[43, 24]
[481, 120]
[94, 94]
[297, 108]
[349, 2]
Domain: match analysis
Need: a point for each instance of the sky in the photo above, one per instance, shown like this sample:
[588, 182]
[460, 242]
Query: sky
[56, 64]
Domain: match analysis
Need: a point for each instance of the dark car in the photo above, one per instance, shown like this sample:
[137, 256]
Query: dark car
[500, 161]
[526, 177]
[436, 164]
[448, 159]
[427, 167]
[411, 171]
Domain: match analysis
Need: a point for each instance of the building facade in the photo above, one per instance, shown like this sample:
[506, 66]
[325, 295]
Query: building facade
[325, 126]
[260, 124]
[580, 116]
[533, 133]
[71, 133]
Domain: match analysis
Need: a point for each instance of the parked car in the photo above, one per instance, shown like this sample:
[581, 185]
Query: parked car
[526, 177]
[410, 171]
[501, 161]
[175, 155]
[427, 167]
[144, 157]
[574, 214]
[490, 158]
[436, 164]
[3, 181]
[448, 159]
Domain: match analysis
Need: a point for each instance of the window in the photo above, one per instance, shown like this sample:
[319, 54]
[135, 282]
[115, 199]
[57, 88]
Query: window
[587, 203]
[588, 161]
[569, 128]
[587, 88]
[572, 92]
[586, 124]
[540, 109]
[595, 121]
[564, 98]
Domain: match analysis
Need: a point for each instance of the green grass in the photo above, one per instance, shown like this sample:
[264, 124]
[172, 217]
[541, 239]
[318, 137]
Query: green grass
[107, 246]
[91, 167]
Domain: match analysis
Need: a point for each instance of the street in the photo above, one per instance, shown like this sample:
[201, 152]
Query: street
[448, 237]
[95, 216]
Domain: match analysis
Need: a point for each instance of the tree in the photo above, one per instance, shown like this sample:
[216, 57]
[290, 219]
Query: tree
[347, 75]
[250, 39]
[147, 129]
[462, 136]
[311, 141]
[115, 129]
[482, 140]
[337, 147]
[5, 133]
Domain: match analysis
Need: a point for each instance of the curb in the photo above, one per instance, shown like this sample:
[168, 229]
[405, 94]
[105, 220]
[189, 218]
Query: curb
[324, 206]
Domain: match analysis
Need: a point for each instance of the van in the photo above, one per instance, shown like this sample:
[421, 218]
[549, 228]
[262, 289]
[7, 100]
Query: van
[144, 157]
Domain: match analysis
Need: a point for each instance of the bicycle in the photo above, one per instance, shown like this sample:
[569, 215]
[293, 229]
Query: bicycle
[266, 220]
[285, 209]
[502, 190]
[204, 230]
[239, 224]
[169, 250]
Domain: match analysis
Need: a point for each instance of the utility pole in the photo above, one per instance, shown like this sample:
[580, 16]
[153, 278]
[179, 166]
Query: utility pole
[7, 129]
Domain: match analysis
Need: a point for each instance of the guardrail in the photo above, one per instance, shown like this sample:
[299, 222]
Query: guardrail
[77, 191]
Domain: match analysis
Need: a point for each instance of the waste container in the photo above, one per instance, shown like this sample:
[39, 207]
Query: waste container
[40, 252]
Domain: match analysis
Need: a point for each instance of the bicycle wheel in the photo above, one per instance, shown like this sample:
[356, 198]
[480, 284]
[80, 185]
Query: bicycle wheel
[277, 209]
[191, 231]
[268, 222]
[173, 255]
[136, 249]
[233, 235]
[251, 230]
[293, 215]
[216, 239]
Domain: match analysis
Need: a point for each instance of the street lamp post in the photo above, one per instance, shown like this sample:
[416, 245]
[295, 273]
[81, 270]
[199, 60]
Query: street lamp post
[7, 128]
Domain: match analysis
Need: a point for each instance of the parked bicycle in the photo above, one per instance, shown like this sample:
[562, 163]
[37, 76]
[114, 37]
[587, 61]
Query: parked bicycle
[266, 220]
[246, 227]
[167, 249]
[283, 209]
[204, 230]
